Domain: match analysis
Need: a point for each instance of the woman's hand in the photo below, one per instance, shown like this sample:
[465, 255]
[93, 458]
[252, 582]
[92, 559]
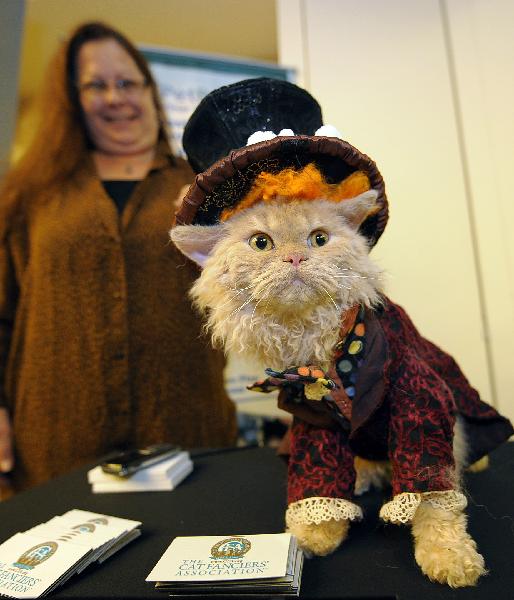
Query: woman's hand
[6, 452]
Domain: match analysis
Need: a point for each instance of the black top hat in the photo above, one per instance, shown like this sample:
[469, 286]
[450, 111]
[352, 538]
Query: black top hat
[216, 135]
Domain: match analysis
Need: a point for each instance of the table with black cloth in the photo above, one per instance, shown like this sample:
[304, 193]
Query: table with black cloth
[243, 492]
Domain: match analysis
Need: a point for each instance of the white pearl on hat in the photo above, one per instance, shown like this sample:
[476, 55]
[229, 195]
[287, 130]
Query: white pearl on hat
[329, 131]
[260, 136]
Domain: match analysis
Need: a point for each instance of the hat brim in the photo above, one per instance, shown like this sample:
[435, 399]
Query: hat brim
[228, 180]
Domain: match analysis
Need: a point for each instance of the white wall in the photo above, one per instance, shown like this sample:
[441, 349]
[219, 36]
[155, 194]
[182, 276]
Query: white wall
[385, 75]
[481, 41]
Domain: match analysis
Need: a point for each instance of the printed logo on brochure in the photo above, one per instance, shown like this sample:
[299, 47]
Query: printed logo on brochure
[99, 521]
[234, 547]
[85, 527]
[36, 555]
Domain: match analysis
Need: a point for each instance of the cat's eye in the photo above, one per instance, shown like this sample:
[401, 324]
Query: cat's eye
[318, 238]
[261, 242]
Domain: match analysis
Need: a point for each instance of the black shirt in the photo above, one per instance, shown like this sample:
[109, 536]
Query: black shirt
[120, 191]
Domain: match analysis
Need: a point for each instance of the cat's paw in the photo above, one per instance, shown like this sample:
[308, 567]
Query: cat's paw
[315, 382]
[317, 390]
[458, 566]
[320, 539]
[443, 549]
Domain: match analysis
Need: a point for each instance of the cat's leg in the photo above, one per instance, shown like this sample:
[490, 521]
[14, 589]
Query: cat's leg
[427, 450]
[460, 450]
[321, 524]
[323, 538]
[321, 478]
[443, 548]
[371, 473]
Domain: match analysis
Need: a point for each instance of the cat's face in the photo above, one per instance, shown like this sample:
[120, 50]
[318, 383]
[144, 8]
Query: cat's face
[283, 257]
[288, 254]
[276, 277]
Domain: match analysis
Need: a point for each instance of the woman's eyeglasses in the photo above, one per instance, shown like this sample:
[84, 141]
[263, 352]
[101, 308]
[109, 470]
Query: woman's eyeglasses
[128, 88]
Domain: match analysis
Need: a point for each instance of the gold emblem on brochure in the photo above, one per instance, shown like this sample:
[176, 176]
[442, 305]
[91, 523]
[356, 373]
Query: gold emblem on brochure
[36, 555]
[85, 527]
[99, 521]
[233, 547]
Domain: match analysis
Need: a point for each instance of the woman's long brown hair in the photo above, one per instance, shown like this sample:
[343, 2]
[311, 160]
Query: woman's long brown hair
[60, 143]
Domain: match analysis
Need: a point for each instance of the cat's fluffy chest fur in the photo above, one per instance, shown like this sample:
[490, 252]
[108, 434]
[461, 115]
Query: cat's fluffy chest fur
[278, 277]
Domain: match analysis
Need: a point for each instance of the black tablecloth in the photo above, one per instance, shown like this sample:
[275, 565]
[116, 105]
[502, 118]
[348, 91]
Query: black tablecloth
[243, 492]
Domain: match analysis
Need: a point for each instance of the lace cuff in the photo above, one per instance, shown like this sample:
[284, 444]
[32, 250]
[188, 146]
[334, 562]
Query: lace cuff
[402, 508]
[317, 509]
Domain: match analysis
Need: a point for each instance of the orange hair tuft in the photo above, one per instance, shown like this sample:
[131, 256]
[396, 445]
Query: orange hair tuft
[306, 184]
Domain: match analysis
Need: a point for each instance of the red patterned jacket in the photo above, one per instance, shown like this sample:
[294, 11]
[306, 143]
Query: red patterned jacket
[406, 396]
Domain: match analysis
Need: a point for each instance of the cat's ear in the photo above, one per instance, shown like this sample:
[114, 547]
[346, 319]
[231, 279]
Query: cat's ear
[357, 210]
[196, 241]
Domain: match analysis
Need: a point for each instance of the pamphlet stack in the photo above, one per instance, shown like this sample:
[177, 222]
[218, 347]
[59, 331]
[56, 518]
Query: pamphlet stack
[35, 562]
[233, 565]
[163, 476]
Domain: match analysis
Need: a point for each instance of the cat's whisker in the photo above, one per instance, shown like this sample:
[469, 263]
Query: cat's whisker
[265, 275]
[265, 283]
[328, 294]
[268, 300]
[239, 290]
[232, 298]
[234, 312]
[262, 281]
[245, 303]
[254, 309]
[234, 289]
[229, 301]
[356, 277]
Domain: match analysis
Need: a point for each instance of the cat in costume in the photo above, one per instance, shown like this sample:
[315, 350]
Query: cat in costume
[281, 218]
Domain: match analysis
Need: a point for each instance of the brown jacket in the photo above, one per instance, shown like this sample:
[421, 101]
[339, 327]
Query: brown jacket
[99, 347]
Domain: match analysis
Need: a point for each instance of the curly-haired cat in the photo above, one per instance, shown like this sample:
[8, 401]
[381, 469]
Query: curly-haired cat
[277, 280]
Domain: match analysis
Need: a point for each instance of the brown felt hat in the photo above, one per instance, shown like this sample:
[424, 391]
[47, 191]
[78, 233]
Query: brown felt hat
[216, 135]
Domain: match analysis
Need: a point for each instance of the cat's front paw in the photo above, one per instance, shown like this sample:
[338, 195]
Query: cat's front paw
[443, 548]
[315, 382]
[320, 539]
[317, 390]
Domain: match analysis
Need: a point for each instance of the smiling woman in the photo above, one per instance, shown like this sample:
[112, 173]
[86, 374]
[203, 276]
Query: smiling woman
[119, 110]
[98, 342]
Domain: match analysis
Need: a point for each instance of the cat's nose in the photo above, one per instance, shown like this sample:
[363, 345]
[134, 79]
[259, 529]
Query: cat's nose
[295, 259]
